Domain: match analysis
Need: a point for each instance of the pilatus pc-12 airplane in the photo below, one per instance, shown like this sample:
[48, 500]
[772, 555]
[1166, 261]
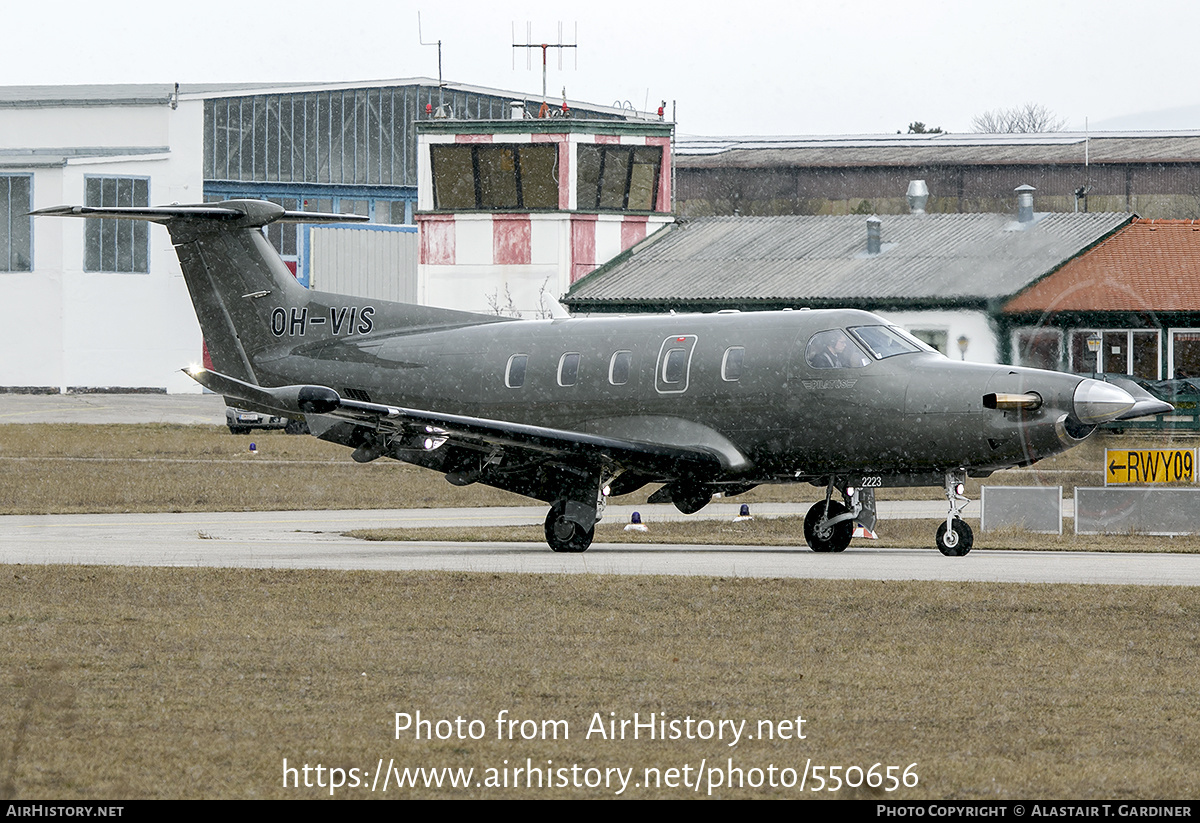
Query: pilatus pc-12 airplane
[570, 411]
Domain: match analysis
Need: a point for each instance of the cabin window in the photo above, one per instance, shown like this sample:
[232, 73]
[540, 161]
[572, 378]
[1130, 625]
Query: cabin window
[568, 369]
[16, 246]
[674, 366]
[116, 245]
[514, 375]
[731, 364]
[833, 349]
[618, 368]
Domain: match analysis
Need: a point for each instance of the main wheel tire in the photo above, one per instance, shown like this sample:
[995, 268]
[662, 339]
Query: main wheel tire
[957, 541]
[833, 538]
[296, 427]
[565, 535]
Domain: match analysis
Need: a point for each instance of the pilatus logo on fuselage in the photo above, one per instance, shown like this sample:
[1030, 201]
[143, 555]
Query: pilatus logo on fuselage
[343, 321]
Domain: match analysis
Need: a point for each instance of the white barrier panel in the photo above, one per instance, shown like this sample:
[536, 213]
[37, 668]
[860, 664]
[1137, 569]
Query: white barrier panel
[1033, 508]
[1141, 510]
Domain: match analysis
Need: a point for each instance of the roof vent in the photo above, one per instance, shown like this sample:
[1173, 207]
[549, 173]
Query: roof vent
[874, 233]
[1025, 203]
[918, 196]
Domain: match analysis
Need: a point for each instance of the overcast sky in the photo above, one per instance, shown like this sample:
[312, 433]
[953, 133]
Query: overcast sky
[748, 67]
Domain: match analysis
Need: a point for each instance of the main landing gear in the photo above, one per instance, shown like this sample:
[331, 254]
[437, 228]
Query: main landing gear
[829, 525]
[567, 535]
[571, 521]
[954, 537]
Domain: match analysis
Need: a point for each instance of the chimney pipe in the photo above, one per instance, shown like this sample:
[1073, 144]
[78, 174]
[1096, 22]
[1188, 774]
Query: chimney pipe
[917, 196]
[1025, 203]
[874, 233]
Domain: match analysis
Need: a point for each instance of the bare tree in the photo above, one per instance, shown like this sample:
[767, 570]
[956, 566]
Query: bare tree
[502, 306]
[1031, 118]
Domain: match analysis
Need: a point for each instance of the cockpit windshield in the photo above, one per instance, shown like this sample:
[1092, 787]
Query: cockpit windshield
[887, 341]
[833, 349]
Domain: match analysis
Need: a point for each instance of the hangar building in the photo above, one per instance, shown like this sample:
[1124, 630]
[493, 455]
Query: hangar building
[95, 304]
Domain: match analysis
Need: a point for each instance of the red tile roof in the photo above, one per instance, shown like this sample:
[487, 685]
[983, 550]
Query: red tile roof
[1151, 265]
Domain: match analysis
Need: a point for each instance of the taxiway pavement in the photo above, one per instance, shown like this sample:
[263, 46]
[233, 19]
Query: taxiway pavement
[315, 540]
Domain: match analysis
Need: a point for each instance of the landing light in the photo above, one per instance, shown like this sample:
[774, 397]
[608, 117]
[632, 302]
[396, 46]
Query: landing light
[606, 491]
[959, 488]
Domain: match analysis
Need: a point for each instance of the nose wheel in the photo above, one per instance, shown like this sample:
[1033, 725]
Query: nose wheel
[956, 540]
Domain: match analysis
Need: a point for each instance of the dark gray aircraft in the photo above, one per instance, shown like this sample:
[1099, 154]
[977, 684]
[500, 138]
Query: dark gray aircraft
[570, 411]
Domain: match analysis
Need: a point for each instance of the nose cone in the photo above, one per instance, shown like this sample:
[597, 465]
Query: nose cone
[1097, 402]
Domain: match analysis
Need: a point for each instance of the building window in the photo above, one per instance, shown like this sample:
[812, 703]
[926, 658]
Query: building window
[1185, 353]
[117, 245]
[618, 178]
[16, 246]
[1119, 351]
[933, 338]
[1038, 348]
[494, 177]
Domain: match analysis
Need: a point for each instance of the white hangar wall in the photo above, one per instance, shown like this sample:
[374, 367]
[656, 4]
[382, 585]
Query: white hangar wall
[67, 327]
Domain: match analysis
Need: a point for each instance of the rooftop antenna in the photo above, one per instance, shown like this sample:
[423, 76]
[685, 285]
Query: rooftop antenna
[441, 85]
[560, 45]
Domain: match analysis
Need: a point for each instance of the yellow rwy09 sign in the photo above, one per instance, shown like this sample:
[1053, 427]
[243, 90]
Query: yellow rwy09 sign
[1149, 466]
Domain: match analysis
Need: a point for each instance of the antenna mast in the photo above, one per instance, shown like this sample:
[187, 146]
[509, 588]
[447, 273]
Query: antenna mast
[441, 85]
[560, 45]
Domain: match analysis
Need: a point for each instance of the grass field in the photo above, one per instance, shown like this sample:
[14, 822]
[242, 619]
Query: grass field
[129, 683]
[124, 683]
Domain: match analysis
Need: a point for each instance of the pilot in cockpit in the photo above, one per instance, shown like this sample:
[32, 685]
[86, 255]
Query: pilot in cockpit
[827, 350]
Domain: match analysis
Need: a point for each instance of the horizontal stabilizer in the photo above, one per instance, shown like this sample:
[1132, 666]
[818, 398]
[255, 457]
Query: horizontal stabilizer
[232, 213]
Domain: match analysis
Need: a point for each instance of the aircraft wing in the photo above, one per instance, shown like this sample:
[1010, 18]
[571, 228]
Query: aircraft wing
[657, 458]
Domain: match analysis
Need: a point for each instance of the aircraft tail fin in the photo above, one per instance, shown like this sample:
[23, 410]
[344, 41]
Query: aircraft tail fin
[246, 299]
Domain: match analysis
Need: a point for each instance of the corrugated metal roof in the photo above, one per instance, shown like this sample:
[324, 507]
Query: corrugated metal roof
[937, 149]
[125, 94]
[161, 94]
[798, 259]
[1151, 265]
[19, 158]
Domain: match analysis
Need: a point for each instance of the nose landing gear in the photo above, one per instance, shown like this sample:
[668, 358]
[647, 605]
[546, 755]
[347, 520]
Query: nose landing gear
[954, 537]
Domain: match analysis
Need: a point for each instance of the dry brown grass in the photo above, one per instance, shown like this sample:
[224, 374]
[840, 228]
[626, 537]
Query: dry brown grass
[63, 469]
[132, 683]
